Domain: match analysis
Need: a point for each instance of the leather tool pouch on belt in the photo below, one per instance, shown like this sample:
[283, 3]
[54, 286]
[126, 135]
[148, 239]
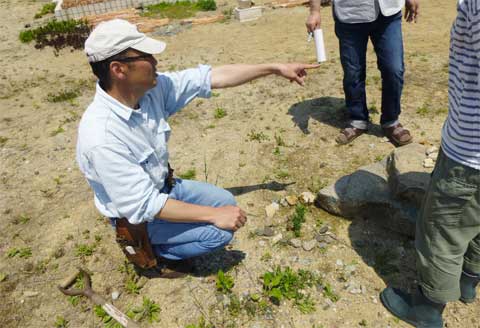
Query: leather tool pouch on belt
[134, 242]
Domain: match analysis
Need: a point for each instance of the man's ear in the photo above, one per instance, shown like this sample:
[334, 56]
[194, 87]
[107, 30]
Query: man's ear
[117, 70]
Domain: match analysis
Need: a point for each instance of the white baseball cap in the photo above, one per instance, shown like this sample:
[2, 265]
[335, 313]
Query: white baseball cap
[114, 36]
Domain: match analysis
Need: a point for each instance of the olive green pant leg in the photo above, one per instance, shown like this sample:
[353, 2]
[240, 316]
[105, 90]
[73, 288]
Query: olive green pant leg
[447, 229]
[472, 258]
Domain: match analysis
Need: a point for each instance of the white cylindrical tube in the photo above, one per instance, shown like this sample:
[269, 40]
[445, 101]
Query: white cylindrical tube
[319, 45]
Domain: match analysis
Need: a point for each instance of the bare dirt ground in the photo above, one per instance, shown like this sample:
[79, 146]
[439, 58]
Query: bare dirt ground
[272, 131]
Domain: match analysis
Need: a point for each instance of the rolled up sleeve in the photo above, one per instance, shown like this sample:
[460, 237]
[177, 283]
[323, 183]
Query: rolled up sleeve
[128, 186]
[180, 88]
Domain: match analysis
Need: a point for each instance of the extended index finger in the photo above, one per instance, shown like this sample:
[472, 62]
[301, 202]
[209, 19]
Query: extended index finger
[310, 66]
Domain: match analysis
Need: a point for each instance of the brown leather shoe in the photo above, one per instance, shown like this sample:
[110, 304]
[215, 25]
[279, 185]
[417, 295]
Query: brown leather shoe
[168, 269]
[398, 135]
[349, 134]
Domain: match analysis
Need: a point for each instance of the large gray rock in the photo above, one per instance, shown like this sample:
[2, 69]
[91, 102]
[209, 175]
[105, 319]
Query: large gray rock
[389, 192]
[407, 177]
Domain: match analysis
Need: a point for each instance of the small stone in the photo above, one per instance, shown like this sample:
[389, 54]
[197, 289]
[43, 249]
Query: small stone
[328, 304]
[323, 229]
[283, 202]
[295, 242]
[323, 238]
[322, 245]
[428, 163]
[259, 231]
[271, 209]
[268, 232]
[30, 293]
[262, 243]
[115, 295]
[431, 150]
[364, 289]
[291, 200]
[350, 269]
[309, 245]
[433, 156]
[339, 263]
[277, 238]
[307, 197]
[371, 146]
[385, 139]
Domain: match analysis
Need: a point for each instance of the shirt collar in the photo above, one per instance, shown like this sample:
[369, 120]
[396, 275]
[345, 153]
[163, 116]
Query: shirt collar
[117, 107]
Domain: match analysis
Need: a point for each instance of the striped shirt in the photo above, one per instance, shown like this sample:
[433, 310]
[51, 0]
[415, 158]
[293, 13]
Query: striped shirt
[461, 131]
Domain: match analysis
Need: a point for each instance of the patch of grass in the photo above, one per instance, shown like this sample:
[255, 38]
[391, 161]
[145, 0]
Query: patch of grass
[21, 219]
[282, 174]
[64, 95]
[220, 113]
[149, 311]
[48, 8]
[58, 34]
[131, 286]
[297, 219]
[83, 250]
[3, 140]
[201, 324]
[177, 10]
[190, 174]
[24, 252]
[3, 276]
[306, 305]
[266, 257]
[224, 282]
[279, 141]
[280, 284]
[329, 293]
[61, 322]
[424, 110]
[257, 136]
[235, 306]
[207, 5]
[58, 130]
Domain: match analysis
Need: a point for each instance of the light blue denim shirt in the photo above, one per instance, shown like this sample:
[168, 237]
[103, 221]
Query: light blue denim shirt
[123, 152]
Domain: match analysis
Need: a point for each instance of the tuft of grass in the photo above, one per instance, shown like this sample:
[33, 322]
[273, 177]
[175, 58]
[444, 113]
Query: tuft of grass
[3, 140]
[64, 95]
[424, 110]
[131, 286]
[24, 252]
[61, 322]
[57, 131]
[82, 250]
[280, 284]
[297, 219]
[48, 8]
[201, 324]
[224, 282]
[177, 10]
[149, 310]
[257, 136]
[329, 293]
[190, 174]
[207, 5]
[21, 219]
[220, 113]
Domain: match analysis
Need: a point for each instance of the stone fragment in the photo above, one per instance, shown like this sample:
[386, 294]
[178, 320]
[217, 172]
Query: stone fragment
[292, 200]
[271, 209]
[309, 245]
[307, 197]
[295, 242]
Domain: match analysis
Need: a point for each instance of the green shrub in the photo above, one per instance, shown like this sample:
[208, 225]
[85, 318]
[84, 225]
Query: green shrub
[207, 5]
[48, 8]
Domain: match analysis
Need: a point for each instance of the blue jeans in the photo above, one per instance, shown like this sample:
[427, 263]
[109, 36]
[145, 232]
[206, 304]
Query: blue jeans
[386, 36]
[177, 241]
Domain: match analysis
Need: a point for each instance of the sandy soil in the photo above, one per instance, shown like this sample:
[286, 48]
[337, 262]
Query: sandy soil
[46, 204]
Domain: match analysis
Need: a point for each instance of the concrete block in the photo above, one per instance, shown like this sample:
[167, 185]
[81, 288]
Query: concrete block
[248, 14]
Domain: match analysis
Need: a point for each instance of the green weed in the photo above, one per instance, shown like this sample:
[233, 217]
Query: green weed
[224, 282]
[24, 252]
[257, 136]
[297, 219]
[61, 322]
[220, 113]
[48, 8]
[149, 311]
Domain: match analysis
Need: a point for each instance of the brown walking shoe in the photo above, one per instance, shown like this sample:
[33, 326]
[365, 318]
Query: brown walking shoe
[398, 135]
[349, 134]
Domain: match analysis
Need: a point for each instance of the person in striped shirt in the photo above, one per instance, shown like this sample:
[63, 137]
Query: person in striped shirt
[448, 230]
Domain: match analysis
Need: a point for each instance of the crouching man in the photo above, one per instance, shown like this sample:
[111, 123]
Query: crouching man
[122, 147]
